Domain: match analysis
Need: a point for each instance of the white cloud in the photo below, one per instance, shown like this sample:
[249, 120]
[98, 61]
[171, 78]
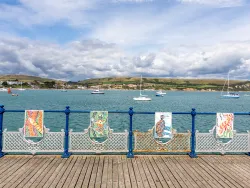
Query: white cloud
[88, 59]
[220, 3]
[47, 12]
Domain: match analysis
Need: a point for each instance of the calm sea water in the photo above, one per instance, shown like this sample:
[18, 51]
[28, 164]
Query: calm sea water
[121, 100]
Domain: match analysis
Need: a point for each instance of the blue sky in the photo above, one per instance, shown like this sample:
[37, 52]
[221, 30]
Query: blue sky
[79, 39]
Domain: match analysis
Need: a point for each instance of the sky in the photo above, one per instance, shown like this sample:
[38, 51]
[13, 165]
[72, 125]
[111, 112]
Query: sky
[81, 39]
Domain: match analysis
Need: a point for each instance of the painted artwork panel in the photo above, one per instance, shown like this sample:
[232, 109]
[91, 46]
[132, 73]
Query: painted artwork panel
[163, 125]
[33, 123]
[98, 124]
[224, 126]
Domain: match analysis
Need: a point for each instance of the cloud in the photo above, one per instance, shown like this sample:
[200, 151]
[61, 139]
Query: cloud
[94, 58]
[219, 3]
[47, 12]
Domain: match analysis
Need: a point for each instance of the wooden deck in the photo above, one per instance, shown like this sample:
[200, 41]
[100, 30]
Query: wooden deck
[118, 171]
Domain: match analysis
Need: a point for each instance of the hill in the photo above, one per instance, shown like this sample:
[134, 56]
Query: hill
[166, 83]
[24, 78]
[128, 83]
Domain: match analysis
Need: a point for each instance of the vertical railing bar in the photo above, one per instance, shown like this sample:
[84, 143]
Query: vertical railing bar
[192, 154]
[130, 150]
[2, 110]
[66, 153]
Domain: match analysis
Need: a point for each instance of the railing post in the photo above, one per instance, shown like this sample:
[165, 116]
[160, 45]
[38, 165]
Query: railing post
[192, 154]
[66, 153]
[2, 110]
[130, 136]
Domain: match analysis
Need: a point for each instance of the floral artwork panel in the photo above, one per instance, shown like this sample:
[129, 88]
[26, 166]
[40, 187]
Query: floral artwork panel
[33, 123]
[163, 125]
[98, 124]
[224, 126]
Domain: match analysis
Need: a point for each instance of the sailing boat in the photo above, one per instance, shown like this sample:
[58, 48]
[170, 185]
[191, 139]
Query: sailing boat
[63, 90]
[160, 93]
[142, 97]
[229, 95]
[10, 92]
[97, 91]
[21, 89]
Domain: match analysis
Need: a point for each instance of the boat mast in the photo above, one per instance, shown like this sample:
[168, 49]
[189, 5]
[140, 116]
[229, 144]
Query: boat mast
[140, 85]
[228, 83]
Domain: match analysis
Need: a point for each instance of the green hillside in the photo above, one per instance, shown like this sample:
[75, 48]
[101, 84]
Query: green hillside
[166, 83]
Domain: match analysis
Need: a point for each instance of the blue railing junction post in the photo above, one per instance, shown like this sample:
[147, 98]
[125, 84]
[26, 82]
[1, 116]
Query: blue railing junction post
[66, 153]
[192, 154]
[130, 135]
[2, 110]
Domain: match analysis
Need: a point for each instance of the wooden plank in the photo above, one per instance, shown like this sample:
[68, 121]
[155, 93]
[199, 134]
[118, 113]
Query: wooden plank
[105, 172]
[94, 172]
[67, 169]
[17, 172]
[83, 172]
[218, 177]
[183, 173]
[47, 173]
[147, 172]
[99, 175]
[193, 173]
[121, 178]
[30, 172]
[126, 172]
[239, 166]
[13, 170]
[79, 166]
[137, 173]
[89, 171]
[172, 170]
[168, 176]
[158, 172]
[115, 172]
[75, 166]
[142, 172]
[9, 165]
[209, 180]
[131, 173]
[226, 172]
[110, 173]
[57, 174]
[152, 172]
[39, 172]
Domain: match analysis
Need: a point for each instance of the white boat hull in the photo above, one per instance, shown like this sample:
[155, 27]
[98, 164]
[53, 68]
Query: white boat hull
[142, 99]
[230, 96]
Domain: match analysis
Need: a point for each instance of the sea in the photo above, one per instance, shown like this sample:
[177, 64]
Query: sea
[122, 100]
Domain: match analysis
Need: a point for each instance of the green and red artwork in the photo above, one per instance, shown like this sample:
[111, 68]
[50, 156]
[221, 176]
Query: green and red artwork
[224, 126]
[33, 123]
[98, 124]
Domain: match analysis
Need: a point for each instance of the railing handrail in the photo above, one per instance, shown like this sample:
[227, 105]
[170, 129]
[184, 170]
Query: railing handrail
[130, 112]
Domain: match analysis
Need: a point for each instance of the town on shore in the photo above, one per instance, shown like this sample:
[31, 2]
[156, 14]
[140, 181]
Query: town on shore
[122, 83]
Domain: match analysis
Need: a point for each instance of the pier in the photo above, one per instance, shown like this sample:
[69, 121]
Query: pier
[119, 171]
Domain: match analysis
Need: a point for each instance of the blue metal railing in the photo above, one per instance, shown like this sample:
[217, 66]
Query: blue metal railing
[131, 112]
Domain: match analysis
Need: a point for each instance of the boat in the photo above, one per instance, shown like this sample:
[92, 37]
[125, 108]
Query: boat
[63, 90]
[3, 89]
[21, 89]
[142, 97]
[160, 93]
[9, 91]
[97, 91]
[229, 95]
